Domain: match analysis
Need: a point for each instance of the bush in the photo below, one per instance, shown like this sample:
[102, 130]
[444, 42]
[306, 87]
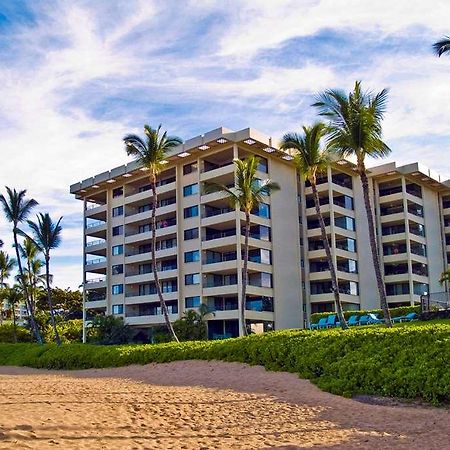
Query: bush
[109, 330]
[409, 361]
[395, 312]
[191, 327]
[7, 334]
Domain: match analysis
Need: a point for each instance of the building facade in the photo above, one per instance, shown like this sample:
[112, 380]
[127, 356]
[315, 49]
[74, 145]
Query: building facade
[200, 238]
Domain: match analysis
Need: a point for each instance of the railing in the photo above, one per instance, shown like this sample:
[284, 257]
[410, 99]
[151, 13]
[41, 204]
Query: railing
[220, 235]
[96, 242]
[95, 224]
[389, 191]
[435, 301]
[212, 166]
[96, 280]
[158, 249]
[94, 205]
[216, 212]
[89, 262]
[98, 298]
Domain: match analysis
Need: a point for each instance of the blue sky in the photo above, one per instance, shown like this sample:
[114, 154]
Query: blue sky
[78, 75]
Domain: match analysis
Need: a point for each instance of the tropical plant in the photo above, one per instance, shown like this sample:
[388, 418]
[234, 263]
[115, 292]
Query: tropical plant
[109, 330]
[151, 153]
[29, 252]
[46, 237]
[311, 160]
[13, 296]
[442, 46]
[17, 208]
[247, 195]
[6, 266]
[445, 277]
[355, 130]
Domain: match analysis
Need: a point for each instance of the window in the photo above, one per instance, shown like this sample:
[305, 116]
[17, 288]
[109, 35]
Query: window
[190, 168]
[117, 250]
[118, 192]
[192, 278]
[169, 286]
[117, 269]
[144, 208]
[145, 248]
[397, 289]
[117, 309]
[259, 304]
[262, 211]
[117, 289]
[193, 256]
[117, 231]
[191, 189]
[347, 244]
[420, 288]
[348, 223]
[262, 165]
[117, 211]
[192, 233]
[144, 268]
[344, 201]
[146, 228]
[192, 302]
[192, 211]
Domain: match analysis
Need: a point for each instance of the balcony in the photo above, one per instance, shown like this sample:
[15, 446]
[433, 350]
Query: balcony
[96, 229]
[145, 193]
[96, 283]
[133, 298]
[97, 265]
[137, 257]
[212, 171]
[97, 247]
[95, 211]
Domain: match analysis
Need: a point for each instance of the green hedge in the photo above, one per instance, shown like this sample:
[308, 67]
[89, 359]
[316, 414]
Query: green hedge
[408, 361]
[395, 312]
[7, 334]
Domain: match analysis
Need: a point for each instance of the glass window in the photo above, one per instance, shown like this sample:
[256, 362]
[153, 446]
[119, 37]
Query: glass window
[117, 289]
[190, 168]
[117, 250]
[259, 304]
[117, 309]
[397, 288]
[191, 189]
[144, 208]
[191, 211]
[192, 233]
[192, 302]
[262, 211]
[192, 278]
[348, 223]
[117, 231]
[118, 192]
[262, 165]
[145, 248]
[146, 228]
[420, 288]
[145, 268]
[117, 211]
[193, 256]
[117, 269]
[344, 201]
[347, 244]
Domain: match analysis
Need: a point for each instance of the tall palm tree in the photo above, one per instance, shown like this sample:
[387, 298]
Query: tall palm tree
[29, 251]
[247, 194]
[151, 153]
[355, 130]
[7, 264]
[46, 237]
[442, 46]
[13, 296]
[312, 160]
[17, 208]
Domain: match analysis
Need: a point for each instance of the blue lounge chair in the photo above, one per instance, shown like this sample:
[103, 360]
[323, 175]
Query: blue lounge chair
[364, 320]
[322, 323]
[352, 321]
[408, 318]
[332, 321]
[374, 319]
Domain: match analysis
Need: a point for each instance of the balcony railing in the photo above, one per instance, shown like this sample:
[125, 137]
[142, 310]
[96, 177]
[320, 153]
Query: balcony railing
[96, 280]
[95, 224]
[96, 242]
[93, 205]
[216, 211]
[89, 262]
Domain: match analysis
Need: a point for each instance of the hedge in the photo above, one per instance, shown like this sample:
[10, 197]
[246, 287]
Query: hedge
[395, 312]
[407, 361]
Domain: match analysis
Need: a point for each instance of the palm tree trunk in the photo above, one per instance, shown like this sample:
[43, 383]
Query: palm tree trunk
[155, 269]
[49, 299]
[31, 284]
[245, 273]
[373, 246]
[1, 302]
[34, 326]
[334, 281]
[14, 324]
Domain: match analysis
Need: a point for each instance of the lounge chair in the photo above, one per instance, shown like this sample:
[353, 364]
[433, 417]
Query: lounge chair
[332, 321]
[352, 321]
[374, 319]
[364, 320]
[322, 323]
[408, 318]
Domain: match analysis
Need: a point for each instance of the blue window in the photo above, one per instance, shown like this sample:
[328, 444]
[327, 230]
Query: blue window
[262, 211]
[192, 302]
[117, 231]
[348, 223]
[192, 211]
[118, 211]
[191, 234]
[117, 309]
[117, 289]
[192, 256]
[117, 250]
[192, 278]
[190, 189]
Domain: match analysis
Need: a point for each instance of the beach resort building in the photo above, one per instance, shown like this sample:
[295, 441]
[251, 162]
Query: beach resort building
[199, 237]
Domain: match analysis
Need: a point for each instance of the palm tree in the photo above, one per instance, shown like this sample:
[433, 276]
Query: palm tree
[7, 264]
[29, 251]
[13, 296]
[312, 160]
[355, 130]
[445, 277]
[247, 194]
[17, 208]
[151, 153]
[442, 46]
[46, 237]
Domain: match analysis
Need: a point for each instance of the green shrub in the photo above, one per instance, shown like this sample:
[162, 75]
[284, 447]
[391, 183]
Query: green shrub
[69, 331]
[409, 361]
[395, 312]
[7, 334]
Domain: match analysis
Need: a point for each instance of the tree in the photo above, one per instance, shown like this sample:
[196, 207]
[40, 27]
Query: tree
[7, 264]
[442, 46]
[46, 237]
[247, 195]
[445, 277]
[310, 160]
[151, 153]
[64, 300]
[17, 208]
[13, 296]
[109, 330]
[29, 251]
[355, 130]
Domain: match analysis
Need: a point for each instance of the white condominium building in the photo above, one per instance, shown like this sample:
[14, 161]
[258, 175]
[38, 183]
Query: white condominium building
[200, 238]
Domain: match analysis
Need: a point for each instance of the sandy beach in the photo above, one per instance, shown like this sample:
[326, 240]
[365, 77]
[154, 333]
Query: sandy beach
[199, 405]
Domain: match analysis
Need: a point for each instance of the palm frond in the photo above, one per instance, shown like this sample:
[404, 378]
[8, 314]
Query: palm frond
[15, 206]
[442, 46]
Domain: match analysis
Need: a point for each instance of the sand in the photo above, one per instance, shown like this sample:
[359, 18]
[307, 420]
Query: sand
[199, 405]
